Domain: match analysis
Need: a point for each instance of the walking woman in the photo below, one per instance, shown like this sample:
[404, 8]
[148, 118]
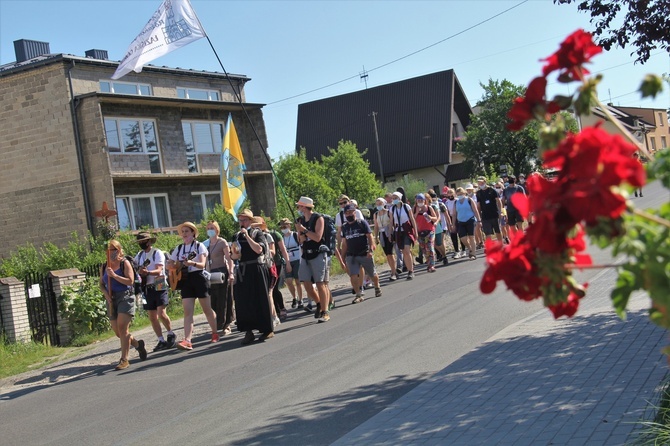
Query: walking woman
[467, 217]
[252, 305]
[425, 217]
[191, 256]
[220, 265]
[116, 283]
[383, 232]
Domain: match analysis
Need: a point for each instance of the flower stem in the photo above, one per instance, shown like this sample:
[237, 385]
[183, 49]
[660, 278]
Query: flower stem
[652, 217]
[601, 266]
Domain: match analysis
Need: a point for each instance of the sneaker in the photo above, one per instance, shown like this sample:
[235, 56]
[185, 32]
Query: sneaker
[331, 305]
[171, 340]
[123, 364]
[265, 336]
[215, 337]
[393, 278]
[445, 261]
[410, 276]
[283, 315]
[309, 307]
[317, 313]
[276, 321]
[162, 345]
[419, 260]
[325, 317]
[358, 300]
[227, 331]
[404, 269]
[398, 271]
[353, 290]
[362, 293]
[248, 338]
[454, 255]
[184, 345]
[141, 350]
[368, 283]
[378, 292]
[294, 303]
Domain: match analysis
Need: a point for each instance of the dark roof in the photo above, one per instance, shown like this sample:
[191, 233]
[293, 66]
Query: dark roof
[414, 122]
[456, 172]
[47, 59]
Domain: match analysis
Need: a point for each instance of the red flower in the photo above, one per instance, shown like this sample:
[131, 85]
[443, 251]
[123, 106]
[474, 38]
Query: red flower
[568, 308]
[576, 50]
[531, 105]
[590, 163]
[513, 264]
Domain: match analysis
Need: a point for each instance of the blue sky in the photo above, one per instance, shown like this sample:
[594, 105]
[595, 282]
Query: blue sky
[289, 48]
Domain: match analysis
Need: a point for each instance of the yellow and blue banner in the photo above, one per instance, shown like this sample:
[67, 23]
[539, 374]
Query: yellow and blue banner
[233, 190]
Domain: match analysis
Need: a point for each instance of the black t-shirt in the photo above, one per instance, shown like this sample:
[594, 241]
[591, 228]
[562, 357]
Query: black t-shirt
[487, 200]
[356, 235]
[508, 192]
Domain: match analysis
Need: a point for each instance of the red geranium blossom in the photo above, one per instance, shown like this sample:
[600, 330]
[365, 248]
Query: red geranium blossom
[577, 49]
[591, 163]
[531, 105]
[568, 308]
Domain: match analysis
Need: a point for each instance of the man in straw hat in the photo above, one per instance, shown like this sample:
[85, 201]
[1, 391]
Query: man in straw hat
[252, 302]
[314, 267]
[193, 255]
[152, 263]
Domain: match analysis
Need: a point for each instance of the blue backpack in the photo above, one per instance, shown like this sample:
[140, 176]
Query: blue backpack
[329, 237]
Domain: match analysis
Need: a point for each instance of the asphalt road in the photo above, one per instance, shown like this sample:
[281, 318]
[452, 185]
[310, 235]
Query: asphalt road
[310, 384]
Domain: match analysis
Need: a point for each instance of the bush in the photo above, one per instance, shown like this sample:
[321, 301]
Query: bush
[84, 307]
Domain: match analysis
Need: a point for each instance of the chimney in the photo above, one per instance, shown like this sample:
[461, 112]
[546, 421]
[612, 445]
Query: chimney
[97, 54]
[29, 49]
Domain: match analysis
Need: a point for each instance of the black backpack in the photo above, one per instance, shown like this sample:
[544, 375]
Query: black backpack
[137, 288]
[329, 237]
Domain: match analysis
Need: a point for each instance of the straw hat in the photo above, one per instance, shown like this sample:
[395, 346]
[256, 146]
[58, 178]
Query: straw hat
[246, 213]
[190, 225]
[145, 237]
[259, 222]
[306, 201]
[284, 222]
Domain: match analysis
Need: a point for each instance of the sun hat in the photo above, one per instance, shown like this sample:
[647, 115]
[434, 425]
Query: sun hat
[481, 179]
[383, 200]
[246, 213]
[190, 225]
[305, 201]
[145, 237]
[469, 186]
[397, 195]
[259, 222]
[284, 222]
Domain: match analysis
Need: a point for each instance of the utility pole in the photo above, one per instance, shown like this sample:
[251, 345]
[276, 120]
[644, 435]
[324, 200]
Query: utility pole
[379, 155]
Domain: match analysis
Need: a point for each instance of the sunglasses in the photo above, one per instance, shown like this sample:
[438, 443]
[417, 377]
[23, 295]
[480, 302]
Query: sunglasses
[342, 203]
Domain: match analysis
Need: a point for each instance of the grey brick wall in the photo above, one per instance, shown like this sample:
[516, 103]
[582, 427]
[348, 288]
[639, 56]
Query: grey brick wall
[40, 189]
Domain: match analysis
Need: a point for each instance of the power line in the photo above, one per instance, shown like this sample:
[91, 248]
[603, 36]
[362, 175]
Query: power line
[405, 56]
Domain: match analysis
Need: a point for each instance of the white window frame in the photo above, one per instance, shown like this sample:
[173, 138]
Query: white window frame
[136, 84]
[154, 215]
[210, 93]
[203, 201]
[144, 144]
[192, 122]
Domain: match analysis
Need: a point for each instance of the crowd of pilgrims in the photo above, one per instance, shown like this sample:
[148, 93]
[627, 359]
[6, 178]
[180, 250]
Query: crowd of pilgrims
[238, 282]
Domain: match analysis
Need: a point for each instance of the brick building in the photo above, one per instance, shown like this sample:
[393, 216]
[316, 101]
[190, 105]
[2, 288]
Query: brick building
[72, 138]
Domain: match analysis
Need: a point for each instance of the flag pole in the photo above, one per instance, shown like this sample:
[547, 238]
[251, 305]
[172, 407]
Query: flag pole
[246, 114]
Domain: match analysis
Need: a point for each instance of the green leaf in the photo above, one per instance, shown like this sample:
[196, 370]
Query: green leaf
[625, 285]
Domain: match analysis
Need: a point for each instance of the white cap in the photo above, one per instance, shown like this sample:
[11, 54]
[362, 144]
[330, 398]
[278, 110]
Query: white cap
[469, 186]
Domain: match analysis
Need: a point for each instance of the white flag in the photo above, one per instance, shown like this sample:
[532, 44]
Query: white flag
[172, 26]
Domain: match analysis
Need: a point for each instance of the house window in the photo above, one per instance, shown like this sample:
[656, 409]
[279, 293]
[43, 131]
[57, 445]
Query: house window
[653, 142]
[137, 211]
[203, 202]
[660, 119]
[201, 137]
[196, 93]
[125, 88]
[133, 136]
[664, 143]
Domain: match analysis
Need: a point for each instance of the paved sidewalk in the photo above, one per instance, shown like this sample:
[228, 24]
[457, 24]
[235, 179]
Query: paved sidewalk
[586, 380]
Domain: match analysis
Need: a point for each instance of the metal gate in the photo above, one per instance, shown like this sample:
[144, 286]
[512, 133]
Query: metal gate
[42, 309]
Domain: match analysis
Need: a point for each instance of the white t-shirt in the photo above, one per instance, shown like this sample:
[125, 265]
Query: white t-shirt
[179, 255]
[292, 247]
[399, 215]
[154, 259]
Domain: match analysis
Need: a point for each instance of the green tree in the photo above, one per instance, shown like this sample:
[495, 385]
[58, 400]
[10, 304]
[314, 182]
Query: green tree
[347, 172]
[301, 177]
[488, 142]
[644, 27]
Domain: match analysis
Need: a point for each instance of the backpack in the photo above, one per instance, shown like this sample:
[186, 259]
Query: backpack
[329, 237]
